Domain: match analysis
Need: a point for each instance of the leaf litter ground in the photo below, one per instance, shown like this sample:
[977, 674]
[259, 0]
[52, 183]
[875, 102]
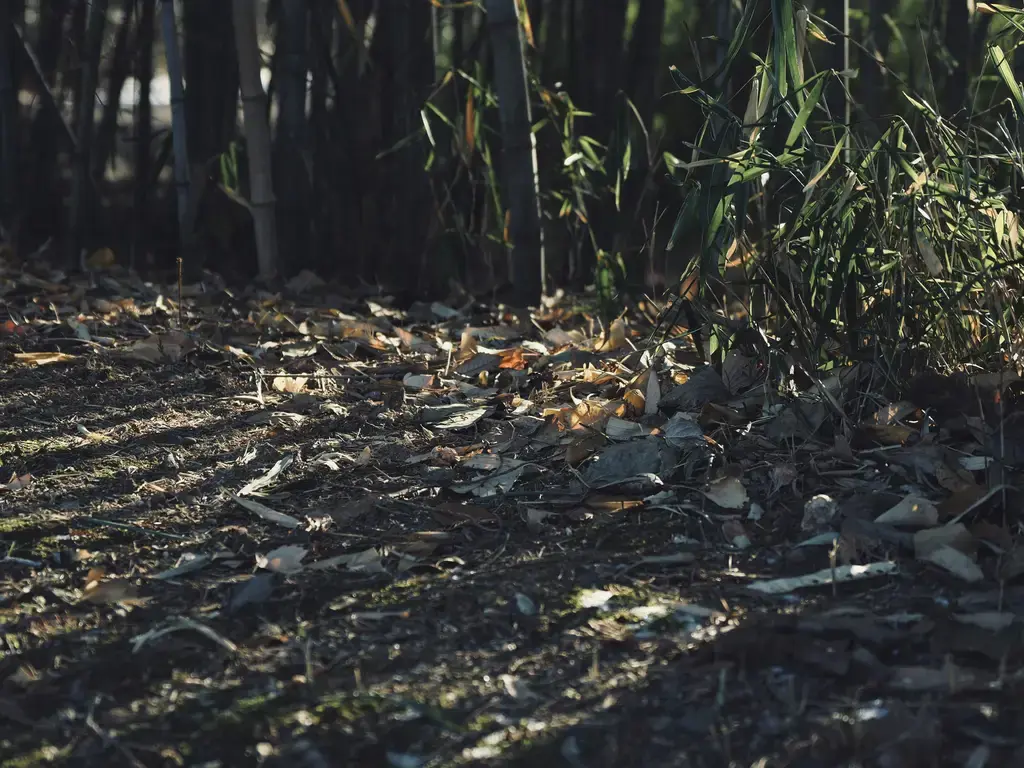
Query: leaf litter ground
[320, 530]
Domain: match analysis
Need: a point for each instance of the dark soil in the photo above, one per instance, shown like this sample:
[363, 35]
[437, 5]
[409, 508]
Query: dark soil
[540, 626]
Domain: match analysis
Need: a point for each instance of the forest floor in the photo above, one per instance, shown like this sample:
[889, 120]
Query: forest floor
[319, 531]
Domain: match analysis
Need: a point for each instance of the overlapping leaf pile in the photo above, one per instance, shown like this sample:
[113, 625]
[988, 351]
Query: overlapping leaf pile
[448, 444]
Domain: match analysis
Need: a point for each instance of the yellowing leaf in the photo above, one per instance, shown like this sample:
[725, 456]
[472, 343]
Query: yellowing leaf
[616, 338]
[364, 457]
[42, 358]
[470, 122]
[16, 483]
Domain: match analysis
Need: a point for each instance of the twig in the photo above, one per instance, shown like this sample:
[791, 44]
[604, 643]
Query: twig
[139, 528]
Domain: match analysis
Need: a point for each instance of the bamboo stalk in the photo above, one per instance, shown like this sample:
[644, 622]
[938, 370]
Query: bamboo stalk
[257, 137]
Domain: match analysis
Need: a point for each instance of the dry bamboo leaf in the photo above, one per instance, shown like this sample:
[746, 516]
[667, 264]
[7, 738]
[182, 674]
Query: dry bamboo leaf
[17, 482]
[837, 575]
[113, 591]
[727, 492]
[285, 559]
[912, 511]
[266, 513]
[42, 358]
[956, 562]
[616, 338]
[652, 396]
[583, 448]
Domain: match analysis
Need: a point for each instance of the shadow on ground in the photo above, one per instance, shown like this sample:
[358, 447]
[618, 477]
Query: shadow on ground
[481, 633]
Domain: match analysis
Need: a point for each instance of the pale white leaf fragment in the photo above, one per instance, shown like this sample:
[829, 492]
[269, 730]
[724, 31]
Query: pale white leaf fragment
[178, 625]
[271, 475]
[454, 416]
[593, 598]
[266, 513]
[285, 559]
[838, 575]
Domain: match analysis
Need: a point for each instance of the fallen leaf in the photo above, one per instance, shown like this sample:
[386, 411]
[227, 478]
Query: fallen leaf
[621, 429]
[166, 347]
[269, 477]
[88, 434]
[582, 448]
[525, 605]
[994, 621]
[703, 386]
[652, 395]
[42, 358]
[366, 560]
[454, 416]
[884, 434]
[266, 513]
[493, 484]
[911, 511]
[292, 384]
[81, 329]
[799, 419]
[727, 492]
[179, 624]
[740, 372]
[683, 431]
[620, 462]
[535, 519]
[419, 381]
[16, 483]
[113, 591]
[890, 414]
[285, 559]
[736, 534]
[954, 561]
[479, 364]
[452, 513]
[593, 598]
[513, 359]
[355, 509]
[616, 338]
[948, 678]
[187, 563]
[253, 591]
[837, 575]
[953, 535]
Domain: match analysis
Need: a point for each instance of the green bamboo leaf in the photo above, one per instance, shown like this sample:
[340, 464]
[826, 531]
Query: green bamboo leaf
[805, 111]
[1006, 72]
[828, 166]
